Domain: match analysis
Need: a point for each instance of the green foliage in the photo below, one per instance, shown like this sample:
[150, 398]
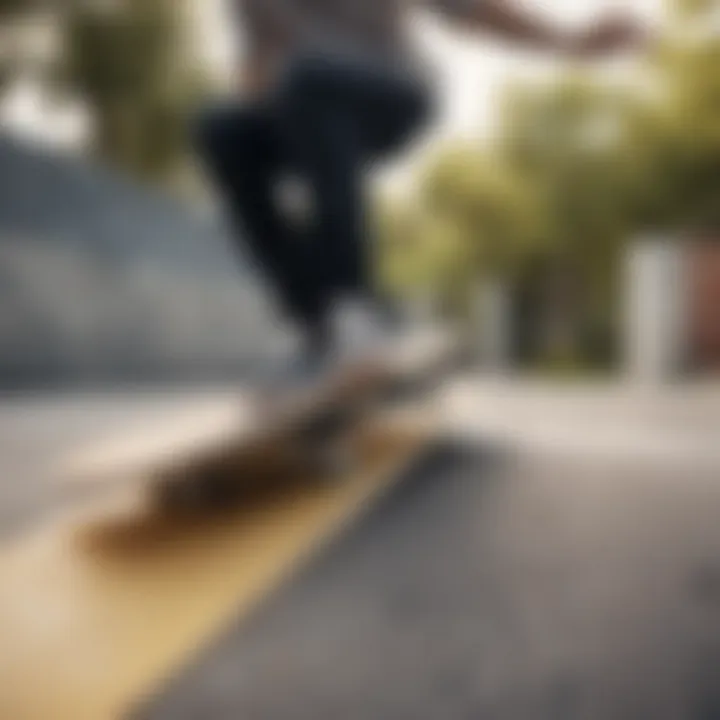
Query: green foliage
[421, 253]
[13, 7]
[689, 9]
[496, 212]
[128, 60]
[577, 169]
[10, 11]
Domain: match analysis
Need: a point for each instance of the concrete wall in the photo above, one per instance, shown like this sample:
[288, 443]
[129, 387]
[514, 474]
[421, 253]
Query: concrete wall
[102, 279]
[494, 319]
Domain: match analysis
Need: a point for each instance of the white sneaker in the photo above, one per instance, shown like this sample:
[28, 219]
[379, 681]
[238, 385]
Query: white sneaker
[361, 332]
[408, 348]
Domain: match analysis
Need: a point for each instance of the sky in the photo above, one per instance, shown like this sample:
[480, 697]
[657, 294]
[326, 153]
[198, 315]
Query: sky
[470, 72]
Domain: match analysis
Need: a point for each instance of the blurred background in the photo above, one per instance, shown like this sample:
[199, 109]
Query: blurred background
[562, 562]
[567, 215]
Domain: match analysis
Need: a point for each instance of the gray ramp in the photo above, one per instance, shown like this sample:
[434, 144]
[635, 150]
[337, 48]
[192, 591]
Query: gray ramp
[528, 590]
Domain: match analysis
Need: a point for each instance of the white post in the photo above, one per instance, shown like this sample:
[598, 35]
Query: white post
[421, 308]
[493, 312]
[654, 310]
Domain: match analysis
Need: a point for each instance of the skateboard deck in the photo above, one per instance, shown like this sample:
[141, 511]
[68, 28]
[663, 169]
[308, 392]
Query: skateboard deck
[215, 456]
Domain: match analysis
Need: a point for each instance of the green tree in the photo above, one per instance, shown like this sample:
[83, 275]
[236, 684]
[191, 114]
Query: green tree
[578, 168]
[129, 62]
[672, 141]
[10, 12]
[420, 254]
[566, 140]
[496, 212]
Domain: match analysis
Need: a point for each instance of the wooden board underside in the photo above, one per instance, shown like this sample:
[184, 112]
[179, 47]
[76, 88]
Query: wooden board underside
[243, 431]
[241, 469]
[125, 598]
[233, 468]
[233, 440]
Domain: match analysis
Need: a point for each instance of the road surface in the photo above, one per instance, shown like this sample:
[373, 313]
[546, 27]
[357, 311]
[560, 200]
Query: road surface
[552, 584]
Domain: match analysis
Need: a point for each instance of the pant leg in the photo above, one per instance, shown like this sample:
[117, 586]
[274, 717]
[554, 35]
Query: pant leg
[324, 138]
[338, 115]
[244, 155]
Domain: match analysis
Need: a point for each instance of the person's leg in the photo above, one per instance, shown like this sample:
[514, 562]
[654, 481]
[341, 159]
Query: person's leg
[338, 115]
[244, 155]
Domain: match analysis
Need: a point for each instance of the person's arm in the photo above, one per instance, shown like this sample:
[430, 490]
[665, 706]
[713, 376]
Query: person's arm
[511, 21]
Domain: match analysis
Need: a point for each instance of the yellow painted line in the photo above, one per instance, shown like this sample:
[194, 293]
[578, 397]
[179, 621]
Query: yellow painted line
[97, 611]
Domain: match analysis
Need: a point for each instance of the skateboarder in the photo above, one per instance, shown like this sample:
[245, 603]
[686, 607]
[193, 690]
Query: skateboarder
[328, 88]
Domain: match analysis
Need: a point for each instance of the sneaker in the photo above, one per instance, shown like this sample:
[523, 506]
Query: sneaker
[364, 331]
[303, 367]
[368, 332]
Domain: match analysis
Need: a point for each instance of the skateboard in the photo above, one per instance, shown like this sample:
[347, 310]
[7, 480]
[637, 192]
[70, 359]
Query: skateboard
[321, 431]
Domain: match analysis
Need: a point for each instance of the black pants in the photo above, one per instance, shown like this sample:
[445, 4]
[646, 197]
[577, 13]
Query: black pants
[327, 120]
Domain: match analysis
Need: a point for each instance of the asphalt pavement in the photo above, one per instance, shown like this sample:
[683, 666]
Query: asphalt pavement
[38, 432]
[529, 584]
[525, 589]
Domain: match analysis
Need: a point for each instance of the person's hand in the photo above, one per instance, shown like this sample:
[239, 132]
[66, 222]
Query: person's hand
[608, 35]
